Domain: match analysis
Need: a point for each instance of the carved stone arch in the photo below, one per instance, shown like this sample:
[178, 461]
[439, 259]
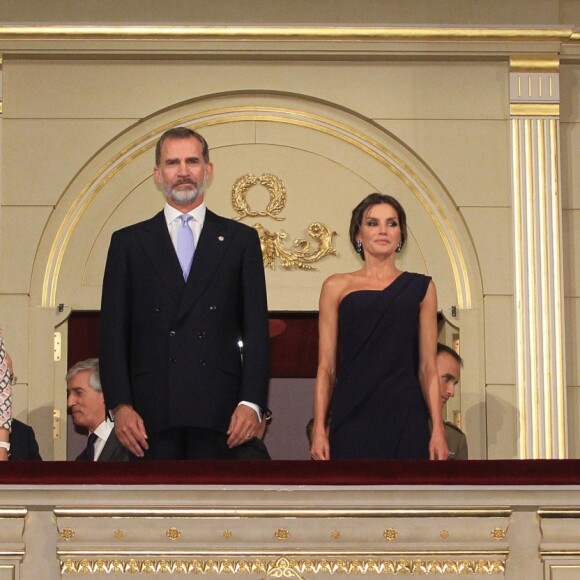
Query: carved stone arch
[329, 158]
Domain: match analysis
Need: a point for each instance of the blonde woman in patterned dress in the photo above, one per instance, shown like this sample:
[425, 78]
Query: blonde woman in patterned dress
[5, 403]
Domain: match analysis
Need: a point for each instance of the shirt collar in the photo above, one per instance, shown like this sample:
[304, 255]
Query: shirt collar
[171, 213]
[104, 429]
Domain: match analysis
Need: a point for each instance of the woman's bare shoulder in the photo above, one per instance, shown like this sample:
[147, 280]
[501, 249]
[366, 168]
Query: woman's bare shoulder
[336, 286]
[340, 280]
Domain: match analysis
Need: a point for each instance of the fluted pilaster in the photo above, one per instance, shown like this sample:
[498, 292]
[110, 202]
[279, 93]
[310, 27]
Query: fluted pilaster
[540, 369]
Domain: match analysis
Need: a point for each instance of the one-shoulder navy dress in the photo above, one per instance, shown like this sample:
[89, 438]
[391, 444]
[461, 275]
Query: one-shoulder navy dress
[378, 409]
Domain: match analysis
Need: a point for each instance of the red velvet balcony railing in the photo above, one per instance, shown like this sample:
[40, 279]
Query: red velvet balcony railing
[341, 473]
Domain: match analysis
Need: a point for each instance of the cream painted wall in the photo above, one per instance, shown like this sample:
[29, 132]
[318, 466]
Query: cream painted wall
[570, 143]
[446, 112]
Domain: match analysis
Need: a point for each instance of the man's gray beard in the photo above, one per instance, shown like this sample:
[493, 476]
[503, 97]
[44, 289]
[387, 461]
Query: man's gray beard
[185, 196]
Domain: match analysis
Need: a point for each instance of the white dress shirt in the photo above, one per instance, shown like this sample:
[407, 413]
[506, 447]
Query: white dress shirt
[172, 217]
[102, 432]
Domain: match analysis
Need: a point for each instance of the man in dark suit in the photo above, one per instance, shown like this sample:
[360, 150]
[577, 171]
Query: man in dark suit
[86, 404]
[449, 365]
[23, 444]
[184, 340]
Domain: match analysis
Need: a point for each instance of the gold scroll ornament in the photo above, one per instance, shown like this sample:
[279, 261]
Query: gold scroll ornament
[302, 254]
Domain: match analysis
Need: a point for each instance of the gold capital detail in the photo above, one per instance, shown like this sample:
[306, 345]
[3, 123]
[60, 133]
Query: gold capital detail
[302, 254]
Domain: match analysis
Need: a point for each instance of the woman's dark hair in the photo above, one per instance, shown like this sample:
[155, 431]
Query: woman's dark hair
[376, 199]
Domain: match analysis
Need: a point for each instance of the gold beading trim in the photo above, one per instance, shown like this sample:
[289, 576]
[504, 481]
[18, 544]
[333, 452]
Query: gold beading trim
[561, 34]
[285, 567]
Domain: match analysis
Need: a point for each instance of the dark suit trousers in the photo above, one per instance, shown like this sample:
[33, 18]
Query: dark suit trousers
[188, 443]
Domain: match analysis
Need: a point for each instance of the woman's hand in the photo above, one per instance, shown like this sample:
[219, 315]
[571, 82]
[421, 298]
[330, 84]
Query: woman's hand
[320, 448]
[438, 446]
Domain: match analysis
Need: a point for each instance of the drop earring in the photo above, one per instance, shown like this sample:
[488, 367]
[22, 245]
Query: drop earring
[358, 246]
[399, 247]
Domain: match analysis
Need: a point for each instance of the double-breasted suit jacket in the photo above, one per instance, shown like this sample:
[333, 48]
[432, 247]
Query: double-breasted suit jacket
[172, 348]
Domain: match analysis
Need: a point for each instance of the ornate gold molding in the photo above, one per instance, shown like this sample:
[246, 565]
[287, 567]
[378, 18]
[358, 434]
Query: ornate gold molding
[272, 244]
[285, 567]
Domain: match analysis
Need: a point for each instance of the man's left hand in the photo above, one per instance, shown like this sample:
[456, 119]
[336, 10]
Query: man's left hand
[244, 425]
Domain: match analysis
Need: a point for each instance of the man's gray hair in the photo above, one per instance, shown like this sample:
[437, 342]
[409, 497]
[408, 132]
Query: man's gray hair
[90, 364]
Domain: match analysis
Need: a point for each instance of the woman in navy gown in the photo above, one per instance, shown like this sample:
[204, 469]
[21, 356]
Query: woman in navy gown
[379, 326]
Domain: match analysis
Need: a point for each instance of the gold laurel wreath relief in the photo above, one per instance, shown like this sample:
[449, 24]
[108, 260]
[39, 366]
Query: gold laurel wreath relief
[302, 255]
[273, 184]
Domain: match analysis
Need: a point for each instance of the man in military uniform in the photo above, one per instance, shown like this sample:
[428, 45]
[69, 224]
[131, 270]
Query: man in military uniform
[449, 365]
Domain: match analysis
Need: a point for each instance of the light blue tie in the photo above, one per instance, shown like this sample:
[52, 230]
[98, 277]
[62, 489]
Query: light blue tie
[185, 244]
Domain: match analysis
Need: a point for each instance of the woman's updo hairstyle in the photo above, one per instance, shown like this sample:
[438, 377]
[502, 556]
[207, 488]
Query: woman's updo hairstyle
[359, 211]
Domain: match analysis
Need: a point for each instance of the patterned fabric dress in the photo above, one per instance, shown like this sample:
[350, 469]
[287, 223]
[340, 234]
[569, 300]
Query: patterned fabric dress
[378, 409]
[5, 390]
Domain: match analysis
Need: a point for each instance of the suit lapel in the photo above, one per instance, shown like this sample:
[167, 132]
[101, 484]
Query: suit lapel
[214, 240]
[157, 244]
[108, 448]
